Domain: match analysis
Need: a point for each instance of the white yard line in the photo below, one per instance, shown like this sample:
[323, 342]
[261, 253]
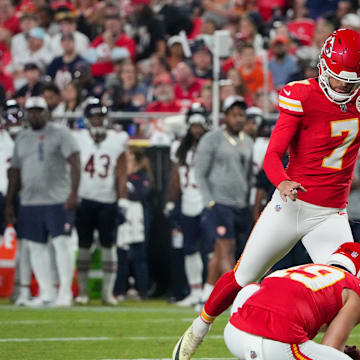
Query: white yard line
[101, 338]
[55, 339]
[219, 358]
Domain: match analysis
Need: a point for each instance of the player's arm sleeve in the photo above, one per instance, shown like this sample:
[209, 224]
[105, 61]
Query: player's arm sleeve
[15, 159]
[285, 129]
[203, 162]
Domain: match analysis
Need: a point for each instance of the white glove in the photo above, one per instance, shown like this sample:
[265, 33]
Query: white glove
[169, 207]
[123, 204]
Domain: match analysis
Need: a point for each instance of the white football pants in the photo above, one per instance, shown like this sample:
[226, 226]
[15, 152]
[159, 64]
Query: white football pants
[281, 226]
[246, 346]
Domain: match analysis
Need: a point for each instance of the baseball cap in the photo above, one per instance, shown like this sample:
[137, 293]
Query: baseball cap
[352, 20]
[36, 102]
[31, 66]
[255, 113]
[37, 33]
[176, 39]
[233, 100]
[279, 39]
[347, 255]
[163, 79]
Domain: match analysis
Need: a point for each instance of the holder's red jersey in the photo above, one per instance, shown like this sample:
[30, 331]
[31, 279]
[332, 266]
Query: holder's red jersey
[291, 305]
[323, 140]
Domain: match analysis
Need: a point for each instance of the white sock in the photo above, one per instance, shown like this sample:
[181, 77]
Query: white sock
[23, 269]
[109, 266]
[64, 263]
[207, 289]
[83, 266]
[193, 270]
[40, 263]
[200, 328]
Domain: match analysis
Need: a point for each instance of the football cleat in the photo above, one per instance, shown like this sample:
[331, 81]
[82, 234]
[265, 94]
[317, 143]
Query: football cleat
[110, 300]
[187, 345]
[82, 300]
[189, 301]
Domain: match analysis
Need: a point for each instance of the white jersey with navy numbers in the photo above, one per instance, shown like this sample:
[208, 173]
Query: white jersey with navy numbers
[6, 151]
[191, 200]
[98, 164]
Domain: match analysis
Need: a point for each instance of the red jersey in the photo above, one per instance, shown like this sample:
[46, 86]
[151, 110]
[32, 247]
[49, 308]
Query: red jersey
[191, 92]
[157, 106]
[291, 305]
[323, 142]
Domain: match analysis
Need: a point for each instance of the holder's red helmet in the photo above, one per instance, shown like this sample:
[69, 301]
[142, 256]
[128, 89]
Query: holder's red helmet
[347, 255]
[340, 59]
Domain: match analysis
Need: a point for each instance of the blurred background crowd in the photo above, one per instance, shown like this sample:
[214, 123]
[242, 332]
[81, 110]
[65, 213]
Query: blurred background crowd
[150, 64]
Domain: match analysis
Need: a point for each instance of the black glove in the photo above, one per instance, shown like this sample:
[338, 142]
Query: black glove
[352, 351]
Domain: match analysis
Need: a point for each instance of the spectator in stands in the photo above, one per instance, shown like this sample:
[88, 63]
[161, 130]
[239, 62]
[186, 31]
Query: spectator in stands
[187, 85]
[52, 95]
[33, 86]
[127, 93]
[45, 17]
[6, 80]
[251, 70]
[72, 102]
[88, 12]
[323, 29]
[351, 21]
[112, 45]
[90, 86]
[149, 30]
[66, 20]
[227, 150]
[283, 67]
[62, 68]
[48, 194]
[239, 85]
[164, 95]
[202, 61]
[9, 20]
[206, 96]
[248, 32]
[19, 41]
[220, 12]
[132, 235]
[176, 51]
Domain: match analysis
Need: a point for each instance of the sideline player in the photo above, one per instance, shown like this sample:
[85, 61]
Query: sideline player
[183, 180]
[319, 123]
[263, 325]
[103, 169]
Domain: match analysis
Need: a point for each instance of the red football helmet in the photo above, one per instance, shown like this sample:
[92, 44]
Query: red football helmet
[340, 59]
[348, 256]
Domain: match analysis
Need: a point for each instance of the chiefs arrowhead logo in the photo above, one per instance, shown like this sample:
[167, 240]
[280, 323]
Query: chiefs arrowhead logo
[328, 46]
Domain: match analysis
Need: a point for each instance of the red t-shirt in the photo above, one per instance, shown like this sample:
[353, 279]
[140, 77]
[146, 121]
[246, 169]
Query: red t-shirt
[7, 82]
[103, 68]
[323, 144]
[191, 92]
[157, 106]
[291, 305]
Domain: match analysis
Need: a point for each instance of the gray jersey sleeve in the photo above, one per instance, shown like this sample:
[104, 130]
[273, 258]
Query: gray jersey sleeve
[69, 145]
[203, 162]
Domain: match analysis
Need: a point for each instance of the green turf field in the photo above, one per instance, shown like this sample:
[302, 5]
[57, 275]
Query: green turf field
[132, 330]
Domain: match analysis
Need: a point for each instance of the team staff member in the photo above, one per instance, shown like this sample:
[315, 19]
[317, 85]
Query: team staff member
[223, 165]
[45, 168]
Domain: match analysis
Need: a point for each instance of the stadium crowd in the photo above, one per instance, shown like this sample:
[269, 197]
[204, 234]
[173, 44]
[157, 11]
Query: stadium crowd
[66, 66]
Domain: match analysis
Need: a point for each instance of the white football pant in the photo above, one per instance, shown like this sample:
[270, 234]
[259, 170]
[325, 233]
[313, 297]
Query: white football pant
[281, 225]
